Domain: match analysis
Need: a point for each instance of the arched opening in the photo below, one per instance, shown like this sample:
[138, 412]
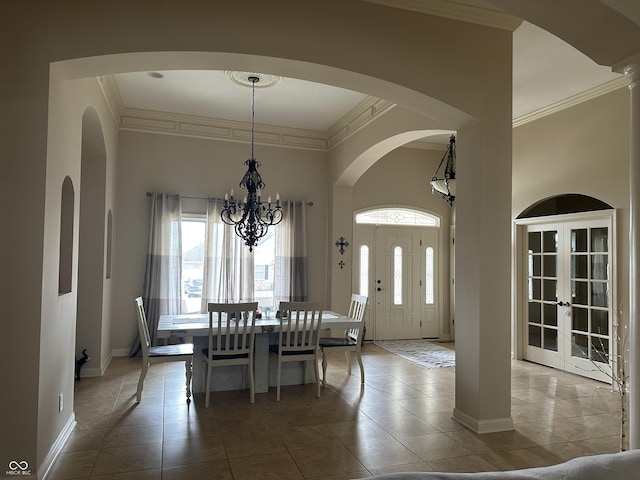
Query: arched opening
[91, 248]
[564, 204]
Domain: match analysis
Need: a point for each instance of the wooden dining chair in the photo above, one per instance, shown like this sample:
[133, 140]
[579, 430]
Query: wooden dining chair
[231, 341]
[351, 342]
[298, 337]
[165, 353]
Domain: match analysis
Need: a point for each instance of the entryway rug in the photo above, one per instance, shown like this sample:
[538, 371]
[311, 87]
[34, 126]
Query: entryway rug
[423, 352]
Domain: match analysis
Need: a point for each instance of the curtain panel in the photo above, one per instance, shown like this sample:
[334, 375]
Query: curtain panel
[163, 271]
[291, 254]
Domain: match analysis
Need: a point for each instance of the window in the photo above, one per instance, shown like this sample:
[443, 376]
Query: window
[364, 270]
[193, 232]
[397, 276]
[429, 276]
[264, 262]
[398, 216]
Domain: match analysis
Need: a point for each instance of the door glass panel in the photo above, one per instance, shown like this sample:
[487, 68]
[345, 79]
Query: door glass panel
[600, 350]
[535, 264]
[579, 266]
[579, 240]
[550, 265]
[550, 314]
[550, 242]
[364, 270]
[550, 292]
[580, 319]
[551, 339]
[535, 242]
[599, 239]
[599, 294]
[397, 276]
[534, 312]
[536, 289]
[535, 336]
[429, 276]
[580, 292]
[600, 322]
[599, 265]
[580, 346]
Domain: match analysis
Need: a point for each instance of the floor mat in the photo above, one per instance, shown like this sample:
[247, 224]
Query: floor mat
[423, 352]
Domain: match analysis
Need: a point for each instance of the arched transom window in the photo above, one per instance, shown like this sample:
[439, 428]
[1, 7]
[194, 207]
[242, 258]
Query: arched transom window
[397, 216]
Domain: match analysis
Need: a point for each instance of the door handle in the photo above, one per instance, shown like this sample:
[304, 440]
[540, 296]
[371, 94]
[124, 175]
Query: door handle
[379, 289]
[563, 304]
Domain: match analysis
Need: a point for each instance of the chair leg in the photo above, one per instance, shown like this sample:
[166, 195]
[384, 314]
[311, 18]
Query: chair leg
[207, 394]
[252, 385]
[324, 368]
[348, 355]
[143, 374]
[361, 367]
[315, 367]
[279, 372]
[188, 373]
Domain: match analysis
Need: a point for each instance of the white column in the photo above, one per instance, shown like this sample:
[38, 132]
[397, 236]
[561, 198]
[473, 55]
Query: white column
[633, 72]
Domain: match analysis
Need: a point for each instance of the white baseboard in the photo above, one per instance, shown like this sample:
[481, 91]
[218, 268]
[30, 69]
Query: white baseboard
[483, 426]
[120, 352]
[56, 448]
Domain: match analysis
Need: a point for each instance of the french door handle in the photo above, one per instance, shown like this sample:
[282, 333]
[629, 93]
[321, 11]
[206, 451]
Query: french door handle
[563, 304]
[379, 289]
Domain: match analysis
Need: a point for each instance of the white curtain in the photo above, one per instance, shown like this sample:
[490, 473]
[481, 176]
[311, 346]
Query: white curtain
[163, 271]
[228, 264]
[291, 254]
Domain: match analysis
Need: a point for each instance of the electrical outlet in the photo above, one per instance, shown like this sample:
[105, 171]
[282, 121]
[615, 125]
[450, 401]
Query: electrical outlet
[60, 402]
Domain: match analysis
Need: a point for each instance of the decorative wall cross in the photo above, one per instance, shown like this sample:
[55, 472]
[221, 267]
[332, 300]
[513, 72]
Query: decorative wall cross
[342, 244]
[341, 264]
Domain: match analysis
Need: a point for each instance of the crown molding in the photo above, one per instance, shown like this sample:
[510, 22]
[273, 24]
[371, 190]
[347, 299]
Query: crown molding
[590, 94]
[456, 11]
[204, 127]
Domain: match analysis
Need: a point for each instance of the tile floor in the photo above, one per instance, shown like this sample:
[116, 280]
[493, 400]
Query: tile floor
[399, 421]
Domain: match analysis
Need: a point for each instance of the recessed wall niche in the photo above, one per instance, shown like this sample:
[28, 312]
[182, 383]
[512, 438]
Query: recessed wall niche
[65, 267]
[109, 243]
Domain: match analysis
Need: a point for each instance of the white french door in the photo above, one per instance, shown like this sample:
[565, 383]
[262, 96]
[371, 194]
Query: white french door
[569, 295]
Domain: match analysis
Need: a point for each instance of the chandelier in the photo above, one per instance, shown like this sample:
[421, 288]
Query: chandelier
[446, 186]
[251, 217]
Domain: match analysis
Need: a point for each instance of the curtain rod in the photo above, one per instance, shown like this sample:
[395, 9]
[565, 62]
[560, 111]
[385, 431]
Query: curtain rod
[310, 204]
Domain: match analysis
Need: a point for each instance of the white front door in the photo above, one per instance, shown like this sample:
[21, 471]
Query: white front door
[405, 288]
[569, 312]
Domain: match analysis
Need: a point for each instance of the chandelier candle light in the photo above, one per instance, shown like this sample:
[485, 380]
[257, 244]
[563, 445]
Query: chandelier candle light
[250, 217]
[447, 185]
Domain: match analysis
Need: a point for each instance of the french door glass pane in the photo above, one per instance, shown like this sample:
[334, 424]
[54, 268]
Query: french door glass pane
[599, 294]
[550, 242]
[599, 239]
[550, 290]
[580, 346]
[536, 263]
[579, 240]
[550, 265]
[535, 336]
[534, 312]
[535, 242]
[580, 319]
[551, 339]
[536, 289]
[600, 350]
[600, 322]
[550, 314]
[364, 270]
[579, 266]
[599, 264]
[580, 292]
[397, 276]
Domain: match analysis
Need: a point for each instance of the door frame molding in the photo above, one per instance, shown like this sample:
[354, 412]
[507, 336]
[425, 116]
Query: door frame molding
[519, 300]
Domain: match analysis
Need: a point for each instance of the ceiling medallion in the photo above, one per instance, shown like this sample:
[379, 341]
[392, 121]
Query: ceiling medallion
[244, 78]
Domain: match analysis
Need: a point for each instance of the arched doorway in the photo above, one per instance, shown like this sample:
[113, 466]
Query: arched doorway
[566, 288]
[398, 264]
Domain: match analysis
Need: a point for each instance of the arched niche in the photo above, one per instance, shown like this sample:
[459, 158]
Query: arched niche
[65, 267]
[564, 204]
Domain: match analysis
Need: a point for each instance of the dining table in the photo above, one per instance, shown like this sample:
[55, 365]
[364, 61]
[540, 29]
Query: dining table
[195, 327]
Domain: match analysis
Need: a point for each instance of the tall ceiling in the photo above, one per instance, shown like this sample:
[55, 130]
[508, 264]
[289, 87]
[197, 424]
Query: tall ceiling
[547, 72]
